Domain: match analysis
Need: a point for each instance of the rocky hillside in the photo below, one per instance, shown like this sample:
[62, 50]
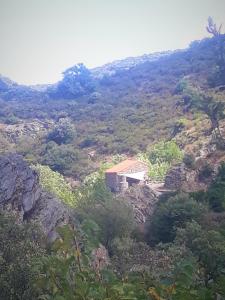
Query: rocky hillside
[128, 106]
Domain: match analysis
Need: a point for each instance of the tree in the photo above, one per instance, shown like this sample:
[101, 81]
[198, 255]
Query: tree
[72, 272]
[132, 256]
[77, 81]
[165, 152]
[208, 246]
[160, 157]
[212, 27]
[218, 76]
[196, 99]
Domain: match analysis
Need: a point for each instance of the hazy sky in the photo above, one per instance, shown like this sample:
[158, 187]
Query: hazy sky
[41, 38]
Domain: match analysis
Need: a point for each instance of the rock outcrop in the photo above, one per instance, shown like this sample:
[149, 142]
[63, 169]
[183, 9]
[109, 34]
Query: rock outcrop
[20, 191]
[27, 129]
[142, 199]
[176, 177]
[182, 178]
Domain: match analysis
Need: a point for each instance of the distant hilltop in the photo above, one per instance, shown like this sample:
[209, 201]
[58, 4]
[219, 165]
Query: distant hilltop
[79, 82]
[105, 70]
[127, 63]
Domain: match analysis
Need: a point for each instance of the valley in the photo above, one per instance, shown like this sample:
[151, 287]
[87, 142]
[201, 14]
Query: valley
[112, 180]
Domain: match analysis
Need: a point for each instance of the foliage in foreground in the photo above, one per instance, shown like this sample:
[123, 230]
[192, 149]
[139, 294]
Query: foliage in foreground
[189, 262]
[72, 273]
[20, 246]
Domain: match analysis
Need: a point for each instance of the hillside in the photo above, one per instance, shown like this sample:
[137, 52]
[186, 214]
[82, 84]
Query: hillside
[63, 233]
[119, 112]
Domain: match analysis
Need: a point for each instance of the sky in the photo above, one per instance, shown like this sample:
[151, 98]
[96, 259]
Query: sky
[42, 38]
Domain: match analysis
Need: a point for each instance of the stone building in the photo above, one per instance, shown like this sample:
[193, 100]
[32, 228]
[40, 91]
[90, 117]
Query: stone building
[128, 172]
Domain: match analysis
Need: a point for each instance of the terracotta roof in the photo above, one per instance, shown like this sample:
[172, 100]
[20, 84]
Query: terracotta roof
[123, 166]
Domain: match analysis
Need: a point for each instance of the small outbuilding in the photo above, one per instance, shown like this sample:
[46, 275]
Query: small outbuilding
[128, 172]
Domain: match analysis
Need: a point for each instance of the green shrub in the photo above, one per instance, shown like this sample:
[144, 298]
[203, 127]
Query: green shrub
[160, 158]
[55, 183]
[158, 171]
[63, 133]
[189, 161]
[60, 158]
[170, 216]
[165, 152]
[205, 172]
[114, 218]
[216, 192]
[208, 246]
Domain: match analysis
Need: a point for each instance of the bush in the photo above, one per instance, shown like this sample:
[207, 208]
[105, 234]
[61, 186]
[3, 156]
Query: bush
[60, 158]
[208, 246]
[77, 81]
[63, 133]
[189, 161]
[88, 142]
[205, 172]
[170, 216]
[114, 218]
[11, 119]
[158, 171]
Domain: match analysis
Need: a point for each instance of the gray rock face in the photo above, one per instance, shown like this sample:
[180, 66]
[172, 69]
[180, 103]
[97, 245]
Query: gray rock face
[181, 178]
[20, 191]
[176, 177]
[18, 183]
[26, 129]
[143, 200]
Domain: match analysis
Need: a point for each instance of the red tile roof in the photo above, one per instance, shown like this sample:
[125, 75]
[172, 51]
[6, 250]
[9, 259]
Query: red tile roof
[123, 166]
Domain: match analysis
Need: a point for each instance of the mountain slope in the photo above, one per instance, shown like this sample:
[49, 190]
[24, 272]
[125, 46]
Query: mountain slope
[122, 112]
